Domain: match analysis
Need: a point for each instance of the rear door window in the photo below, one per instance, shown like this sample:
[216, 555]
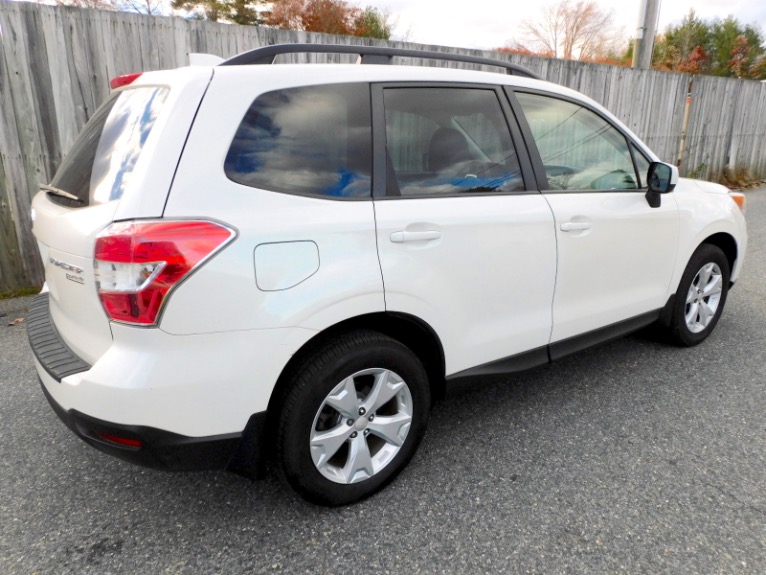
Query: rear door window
[314, 140]
[99, 165]
[449, 140]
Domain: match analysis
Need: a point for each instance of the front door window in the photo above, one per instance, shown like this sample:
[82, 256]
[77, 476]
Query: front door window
[580, 150]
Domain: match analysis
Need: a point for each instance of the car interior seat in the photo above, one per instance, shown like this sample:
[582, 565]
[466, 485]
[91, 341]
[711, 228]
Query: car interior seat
[446, 148]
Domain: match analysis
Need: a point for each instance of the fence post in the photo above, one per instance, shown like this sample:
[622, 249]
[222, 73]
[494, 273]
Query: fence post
[685, 123]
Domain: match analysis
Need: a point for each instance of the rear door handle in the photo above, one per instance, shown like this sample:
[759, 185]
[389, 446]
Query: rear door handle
[575, 226]
[401, 237]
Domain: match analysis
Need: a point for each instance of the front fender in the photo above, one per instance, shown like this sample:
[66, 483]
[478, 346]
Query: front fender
[706, 210]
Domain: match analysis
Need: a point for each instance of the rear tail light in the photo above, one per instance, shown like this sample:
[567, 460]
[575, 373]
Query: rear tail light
[139, 263]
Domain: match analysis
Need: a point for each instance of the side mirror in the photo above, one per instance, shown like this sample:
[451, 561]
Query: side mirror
[661, 179]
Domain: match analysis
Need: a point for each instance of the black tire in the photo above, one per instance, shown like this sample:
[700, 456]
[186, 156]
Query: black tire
[680, 331]
[305, 414]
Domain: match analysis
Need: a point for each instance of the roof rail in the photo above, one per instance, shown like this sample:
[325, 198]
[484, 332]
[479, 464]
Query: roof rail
[368, 54]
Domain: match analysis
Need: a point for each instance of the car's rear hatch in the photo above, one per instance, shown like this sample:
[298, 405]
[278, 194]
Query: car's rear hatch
[120, 168]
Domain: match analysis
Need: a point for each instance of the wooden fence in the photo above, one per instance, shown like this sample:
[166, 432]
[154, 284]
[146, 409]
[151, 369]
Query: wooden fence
[56, 62]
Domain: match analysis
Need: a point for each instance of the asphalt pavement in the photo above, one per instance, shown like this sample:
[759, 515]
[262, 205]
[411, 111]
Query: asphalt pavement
[634, 457]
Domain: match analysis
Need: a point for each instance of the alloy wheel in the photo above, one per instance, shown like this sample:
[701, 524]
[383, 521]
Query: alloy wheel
[361, 425]
[703, 297]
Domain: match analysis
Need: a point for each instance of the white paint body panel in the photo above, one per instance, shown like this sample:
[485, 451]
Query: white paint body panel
[704, 210]
[283, 265]
[198, 385]
[619, 267]
[348, 282]
[75, 307]
[485, 285]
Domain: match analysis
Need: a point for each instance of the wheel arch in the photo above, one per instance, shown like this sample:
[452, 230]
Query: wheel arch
[727, 244]
[411, 331]
[722, 240]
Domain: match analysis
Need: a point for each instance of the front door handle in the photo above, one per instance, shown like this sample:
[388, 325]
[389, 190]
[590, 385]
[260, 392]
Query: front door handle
[402, 236]
[575, 226]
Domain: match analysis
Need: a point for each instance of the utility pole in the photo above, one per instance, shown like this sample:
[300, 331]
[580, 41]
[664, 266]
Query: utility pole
[645, 34]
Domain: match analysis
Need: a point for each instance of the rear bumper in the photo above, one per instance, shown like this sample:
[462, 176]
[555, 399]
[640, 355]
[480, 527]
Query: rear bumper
[151, 447]
[54, 356]
[178, 408]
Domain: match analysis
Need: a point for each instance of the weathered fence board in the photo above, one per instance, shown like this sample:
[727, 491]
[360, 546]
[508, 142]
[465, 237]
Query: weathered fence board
[56, 63]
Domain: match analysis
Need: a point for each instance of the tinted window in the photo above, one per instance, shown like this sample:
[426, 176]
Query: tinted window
[308, 140]
[642, 165]
[447, 141]
[101, 161]
[580, 149]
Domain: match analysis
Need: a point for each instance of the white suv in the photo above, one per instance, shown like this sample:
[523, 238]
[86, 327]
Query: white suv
[292, 261]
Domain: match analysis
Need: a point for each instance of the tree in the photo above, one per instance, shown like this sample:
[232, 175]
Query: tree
[93, 4]
[571, 29]
[729, 37]
[151, 7]
[232, 11]
[758, 68]
[520, 49]
[694, 63]
[739, 56]
[372, 23]
[287, 14]
[716, 47]
[330, 17]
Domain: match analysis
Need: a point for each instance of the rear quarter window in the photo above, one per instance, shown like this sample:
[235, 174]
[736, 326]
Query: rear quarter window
[99, 165]
[314, 140]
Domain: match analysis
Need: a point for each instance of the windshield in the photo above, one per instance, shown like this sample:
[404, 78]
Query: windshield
[101, 161]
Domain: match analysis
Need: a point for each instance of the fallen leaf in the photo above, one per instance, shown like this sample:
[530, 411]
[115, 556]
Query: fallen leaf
[17, 321]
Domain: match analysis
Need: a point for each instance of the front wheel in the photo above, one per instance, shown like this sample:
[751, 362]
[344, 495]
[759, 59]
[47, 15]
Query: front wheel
[352, 419]
[700, 297]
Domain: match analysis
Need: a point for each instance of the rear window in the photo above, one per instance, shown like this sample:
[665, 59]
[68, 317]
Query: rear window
[99, 165]
[313, 140]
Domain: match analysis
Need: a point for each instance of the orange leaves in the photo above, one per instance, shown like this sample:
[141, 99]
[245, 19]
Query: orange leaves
[330, 17]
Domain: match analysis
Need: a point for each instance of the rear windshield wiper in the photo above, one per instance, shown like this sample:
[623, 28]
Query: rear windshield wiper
[59, 192]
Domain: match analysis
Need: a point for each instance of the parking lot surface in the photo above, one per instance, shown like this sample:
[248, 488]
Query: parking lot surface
[634, 457]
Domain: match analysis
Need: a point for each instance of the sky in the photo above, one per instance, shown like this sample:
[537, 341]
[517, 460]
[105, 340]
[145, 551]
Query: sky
[487, 24]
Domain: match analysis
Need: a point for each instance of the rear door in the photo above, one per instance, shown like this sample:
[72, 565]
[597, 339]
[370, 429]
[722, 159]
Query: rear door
[108, 174]
[463, 244]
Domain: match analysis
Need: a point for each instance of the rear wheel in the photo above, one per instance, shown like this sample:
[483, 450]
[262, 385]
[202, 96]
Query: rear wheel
[700, 297]
[352, 419]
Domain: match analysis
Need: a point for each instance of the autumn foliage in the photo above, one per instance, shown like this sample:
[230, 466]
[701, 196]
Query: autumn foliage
[714, 47]
[330, 17]
[611, 58]
[694, 63]
[522, 50]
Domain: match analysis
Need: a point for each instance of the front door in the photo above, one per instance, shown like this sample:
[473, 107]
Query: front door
[615, 253]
